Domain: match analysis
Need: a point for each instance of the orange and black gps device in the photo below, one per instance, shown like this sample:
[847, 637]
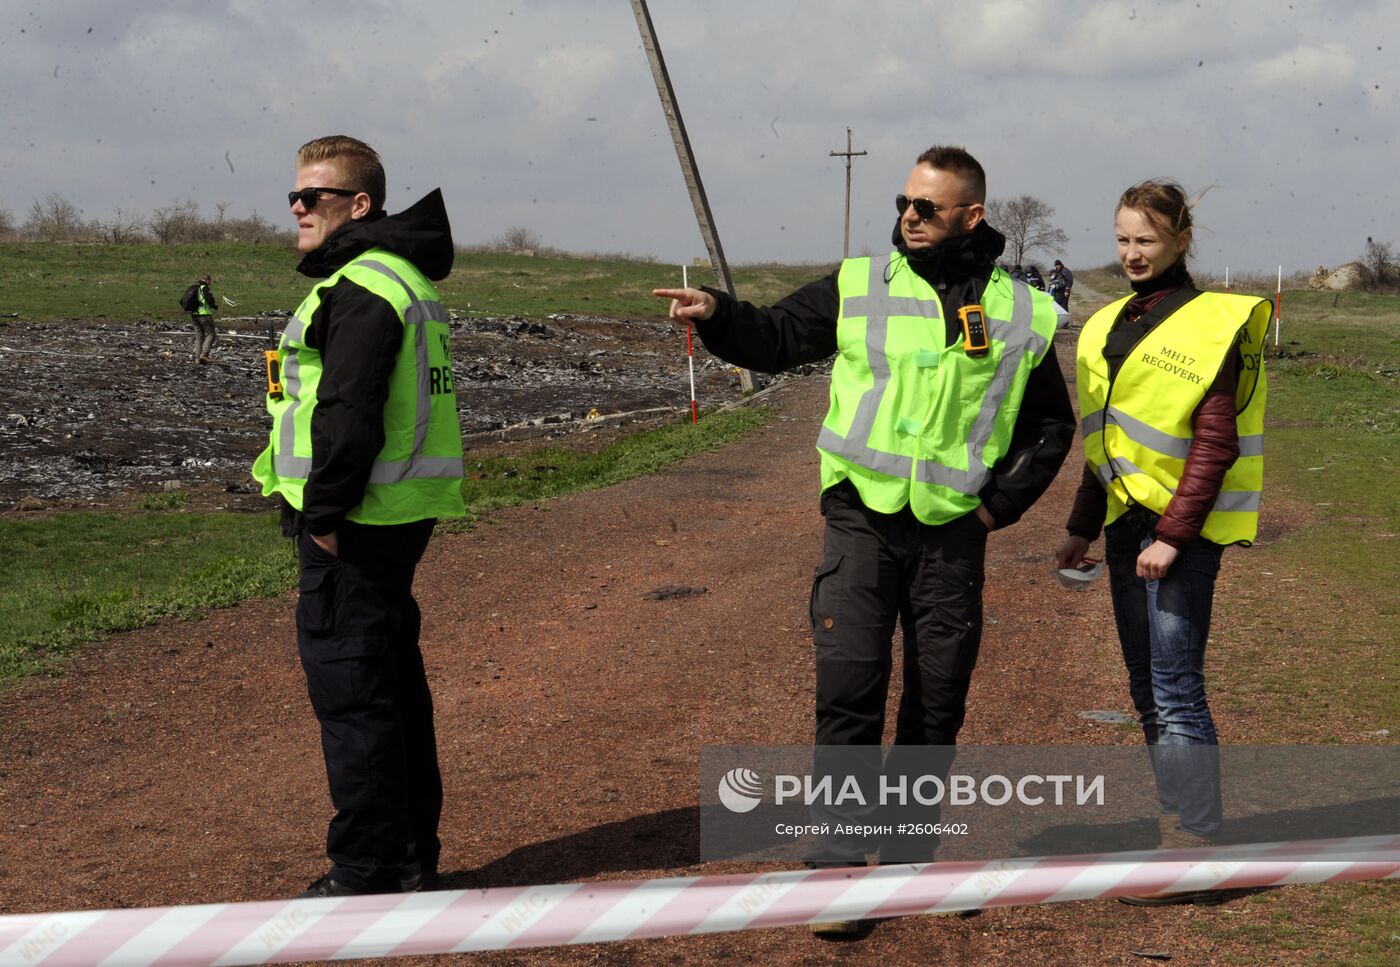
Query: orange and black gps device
[974, 324]
[274, 374]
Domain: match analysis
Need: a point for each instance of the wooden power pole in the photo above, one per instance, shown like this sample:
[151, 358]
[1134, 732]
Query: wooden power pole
[848, 154]
[689, 170]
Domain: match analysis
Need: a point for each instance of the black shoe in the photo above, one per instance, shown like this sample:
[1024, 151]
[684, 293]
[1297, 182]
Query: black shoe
[418, 882]
[829, 929]
[325, 887]
[1201, 898]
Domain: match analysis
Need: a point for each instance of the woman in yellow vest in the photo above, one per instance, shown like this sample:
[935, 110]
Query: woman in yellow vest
[1171, 404]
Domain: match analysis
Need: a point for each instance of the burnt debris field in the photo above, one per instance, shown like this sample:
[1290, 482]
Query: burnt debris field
[91, 410]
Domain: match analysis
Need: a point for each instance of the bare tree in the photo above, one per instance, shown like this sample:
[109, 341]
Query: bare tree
[7, 224]
[176, 223]
[122, 228]
[255, 228]
[222, 208]
[519, 239]
[55, 219]
[1026, 223]
[1378, 266]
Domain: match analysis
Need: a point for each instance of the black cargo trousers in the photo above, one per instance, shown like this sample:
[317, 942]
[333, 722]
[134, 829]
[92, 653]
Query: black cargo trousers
[357, 634]
[877, 569]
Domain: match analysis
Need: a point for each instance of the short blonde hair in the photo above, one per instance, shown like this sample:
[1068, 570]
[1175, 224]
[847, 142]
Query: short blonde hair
[358, 162]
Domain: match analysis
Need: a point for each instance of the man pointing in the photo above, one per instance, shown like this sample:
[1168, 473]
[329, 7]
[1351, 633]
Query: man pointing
[939, 431]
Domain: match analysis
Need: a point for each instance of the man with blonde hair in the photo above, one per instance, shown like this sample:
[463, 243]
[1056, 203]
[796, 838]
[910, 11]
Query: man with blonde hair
[365, 455]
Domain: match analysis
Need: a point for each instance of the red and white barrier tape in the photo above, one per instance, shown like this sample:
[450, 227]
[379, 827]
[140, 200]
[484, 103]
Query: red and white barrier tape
[453, 921]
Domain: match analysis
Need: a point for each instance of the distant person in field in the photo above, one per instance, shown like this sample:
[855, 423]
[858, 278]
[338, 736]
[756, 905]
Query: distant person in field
[1061, 284]
[934, 439]
[202, 305]
[365, 455]
[1171, 402]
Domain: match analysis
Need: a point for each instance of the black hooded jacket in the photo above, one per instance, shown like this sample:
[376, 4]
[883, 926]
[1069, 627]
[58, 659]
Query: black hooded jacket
[358, 335]
[801, 328]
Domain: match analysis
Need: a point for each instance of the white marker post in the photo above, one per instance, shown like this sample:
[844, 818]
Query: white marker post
[1278, 307]
[690, 354]
[1227, 278]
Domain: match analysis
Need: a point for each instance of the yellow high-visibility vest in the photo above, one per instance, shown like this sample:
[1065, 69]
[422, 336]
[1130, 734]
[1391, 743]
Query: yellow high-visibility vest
[913, 420]
[1137, 426]
[418, 472]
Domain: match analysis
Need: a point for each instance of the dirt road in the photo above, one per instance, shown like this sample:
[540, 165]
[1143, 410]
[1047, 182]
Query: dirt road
[180, 764]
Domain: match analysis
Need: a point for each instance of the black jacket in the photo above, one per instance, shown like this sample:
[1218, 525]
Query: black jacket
[358, 335]
[801, 328]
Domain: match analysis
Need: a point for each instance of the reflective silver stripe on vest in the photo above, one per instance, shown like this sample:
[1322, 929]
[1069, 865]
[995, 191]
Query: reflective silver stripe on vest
[1091, 424]
[1144, 434]
[877, 306]
[287, 464]
[418, 313]
[1019, 339]
[1226, 501]
[1115, 467]
[420, 467]
[1246, 501]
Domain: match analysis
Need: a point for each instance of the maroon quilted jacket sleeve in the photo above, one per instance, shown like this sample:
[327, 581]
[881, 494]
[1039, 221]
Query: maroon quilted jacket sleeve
[1214, 451]
[1090, 507]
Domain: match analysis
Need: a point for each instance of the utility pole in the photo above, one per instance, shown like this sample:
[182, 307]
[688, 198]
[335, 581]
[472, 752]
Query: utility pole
[689, 170]
[848, 154]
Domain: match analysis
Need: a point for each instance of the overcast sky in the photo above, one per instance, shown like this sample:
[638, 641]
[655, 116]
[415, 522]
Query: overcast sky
[543, 114]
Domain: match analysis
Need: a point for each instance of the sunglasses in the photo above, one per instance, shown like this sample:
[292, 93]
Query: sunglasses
[924, 208]
[309, 196]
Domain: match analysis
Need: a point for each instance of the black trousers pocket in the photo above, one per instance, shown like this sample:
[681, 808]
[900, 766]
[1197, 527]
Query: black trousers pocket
[824, 608]
[317, 593]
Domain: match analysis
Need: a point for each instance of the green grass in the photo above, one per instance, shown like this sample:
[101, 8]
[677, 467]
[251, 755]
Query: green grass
[44, 282]
[78, 576]
[1355, 924]
[507, 481]
[516, 285]
[1111, 283]
[1327, 587]
[165, 501]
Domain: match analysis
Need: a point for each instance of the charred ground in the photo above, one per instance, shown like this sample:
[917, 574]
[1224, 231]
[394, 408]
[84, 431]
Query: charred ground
[92, 412]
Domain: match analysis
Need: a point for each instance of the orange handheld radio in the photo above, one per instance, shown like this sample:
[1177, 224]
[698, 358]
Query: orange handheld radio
[974, 324]
[274, 374]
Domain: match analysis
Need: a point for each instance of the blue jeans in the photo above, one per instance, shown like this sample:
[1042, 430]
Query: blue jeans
[1163, 626]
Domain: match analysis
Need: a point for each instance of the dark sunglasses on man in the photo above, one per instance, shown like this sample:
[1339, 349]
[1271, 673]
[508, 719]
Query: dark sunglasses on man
[309, 196]
[924, 208]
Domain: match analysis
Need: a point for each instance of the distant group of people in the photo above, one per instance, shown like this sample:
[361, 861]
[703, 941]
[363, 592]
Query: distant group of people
[1060, 283]
[949, 419]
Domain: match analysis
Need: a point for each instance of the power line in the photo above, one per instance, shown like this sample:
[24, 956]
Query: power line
[848, 154]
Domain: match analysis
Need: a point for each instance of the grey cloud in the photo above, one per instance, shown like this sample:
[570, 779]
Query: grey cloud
[492, 101]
